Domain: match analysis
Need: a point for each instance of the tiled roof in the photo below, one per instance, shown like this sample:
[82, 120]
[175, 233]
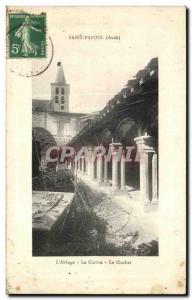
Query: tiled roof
[153, 62]
[41, 104]
[126, 95]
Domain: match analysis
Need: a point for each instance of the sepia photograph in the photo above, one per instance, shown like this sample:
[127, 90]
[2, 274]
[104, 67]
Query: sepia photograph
[96, 184]
[95, 175]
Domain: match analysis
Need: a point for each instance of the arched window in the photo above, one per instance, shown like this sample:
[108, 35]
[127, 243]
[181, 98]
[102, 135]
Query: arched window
[62, 91]
[62, 107]
[57, 91]
[56, 99]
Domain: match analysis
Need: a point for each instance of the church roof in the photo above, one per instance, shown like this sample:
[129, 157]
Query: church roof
[60, 78]
[41, 104]
[45, 105]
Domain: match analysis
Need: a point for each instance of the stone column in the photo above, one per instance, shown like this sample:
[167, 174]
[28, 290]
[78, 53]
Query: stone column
[75, 166]
[71, 163]
[66, 164]
[155, 177]
[80, 164]
[105, 168]
[114, 151]
[123, 170]
[99, 166]
[90, 162]
[87, 167]
[83, 165]
[146, 147]
[57, 167]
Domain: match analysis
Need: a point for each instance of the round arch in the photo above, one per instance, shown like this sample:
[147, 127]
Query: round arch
[106, 137]
[126, 131]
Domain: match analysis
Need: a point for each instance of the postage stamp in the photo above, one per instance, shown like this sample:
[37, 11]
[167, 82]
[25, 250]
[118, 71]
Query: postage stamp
[27, 35]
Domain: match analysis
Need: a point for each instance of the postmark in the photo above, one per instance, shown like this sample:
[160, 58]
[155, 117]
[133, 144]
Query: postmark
[27, 35]
[32, 67]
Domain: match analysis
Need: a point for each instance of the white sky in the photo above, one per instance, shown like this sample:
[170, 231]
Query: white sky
[96, 70]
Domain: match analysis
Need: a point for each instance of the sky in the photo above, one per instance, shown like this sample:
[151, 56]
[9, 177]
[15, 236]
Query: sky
[98, 69]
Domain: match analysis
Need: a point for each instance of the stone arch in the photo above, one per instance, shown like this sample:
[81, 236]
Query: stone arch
[106, 137]
[125, 132]
[94, 139]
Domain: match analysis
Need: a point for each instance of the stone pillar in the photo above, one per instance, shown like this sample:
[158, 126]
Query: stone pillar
[57, 167]
[99, 166]
[71, 163]
[83, 165]
[86, 163]
[87, 167]
[123, 170]
[115, 173]
[90, 162]
[155, 177]
[148, 175]
[80, 164]
[66, 164]
[105, 168]
[75, 166]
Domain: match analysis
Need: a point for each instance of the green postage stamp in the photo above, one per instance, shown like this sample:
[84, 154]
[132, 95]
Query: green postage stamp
[26, 35]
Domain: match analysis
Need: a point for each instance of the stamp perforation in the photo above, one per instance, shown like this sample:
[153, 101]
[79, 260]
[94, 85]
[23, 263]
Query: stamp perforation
[22, 46]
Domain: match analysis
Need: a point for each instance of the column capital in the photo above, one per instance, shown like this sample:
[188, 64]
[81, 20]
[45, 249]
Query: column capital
[99, 151]
[115, 146]
[123, 154]
[90, 148]
[147, 143]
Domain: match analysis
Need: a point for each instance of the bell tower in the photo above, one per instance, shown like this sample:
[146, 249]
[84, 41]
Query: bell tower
[60, 91]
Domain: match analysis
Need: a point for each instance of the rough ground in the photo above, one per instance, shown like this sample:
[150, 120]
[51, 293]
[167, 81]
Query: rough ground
[124, 216]
[100, 223]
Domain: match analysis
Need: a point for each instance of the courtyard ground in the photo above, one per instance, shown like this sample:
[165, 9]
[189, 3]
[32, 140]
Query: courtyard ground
[99, 222]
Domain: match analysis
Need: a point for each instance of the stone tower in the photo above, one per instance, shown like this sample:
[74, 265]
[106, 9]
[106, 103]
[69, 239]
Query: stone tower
[60, 91]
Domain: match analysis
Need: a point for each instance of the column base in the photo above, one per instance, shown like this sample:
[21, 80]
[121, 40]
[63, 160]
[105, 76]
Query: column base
[155, 201]
[151, 206]
[123, 188]
[100, 181]
[115, 188]
[106, 183]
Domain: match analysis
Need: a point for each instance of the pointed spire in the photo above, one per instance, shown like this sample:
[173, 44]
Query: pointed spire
[60, 78]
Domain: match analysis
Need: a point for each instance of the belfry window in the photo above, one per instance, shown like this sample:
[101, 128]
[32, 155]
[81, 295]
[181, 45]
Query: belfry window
[62, 107]
[57, 91]
[62, 91]
[56, 99]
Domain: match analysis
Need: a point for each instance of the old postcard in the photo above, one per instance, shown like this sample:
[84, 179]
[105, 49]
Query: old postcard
[96, 150]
